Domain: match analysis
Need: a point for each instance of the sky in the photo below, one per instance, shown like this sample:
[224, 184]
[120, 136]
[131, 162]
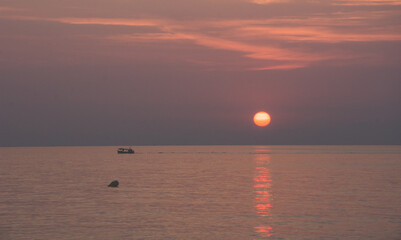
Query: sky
[179, 72]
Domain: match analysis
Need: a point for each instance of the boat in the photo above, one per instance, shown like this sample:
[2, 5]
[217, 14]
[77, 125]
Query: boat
[125, 150]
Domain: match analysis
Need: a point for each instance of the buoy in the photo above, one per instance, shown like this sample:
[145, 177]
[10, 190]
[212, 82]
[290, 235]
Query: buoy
[114, 183]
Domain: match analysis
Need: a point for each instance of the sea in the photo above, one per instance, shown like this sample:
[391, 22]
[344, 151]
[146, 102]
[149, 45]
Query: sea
[201, 192]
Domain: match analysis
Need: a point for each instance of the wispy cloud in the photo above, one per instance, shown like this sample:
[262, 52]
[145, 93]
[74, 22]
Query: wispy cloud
[10, 9]
[265, 2]
[271, 43]
[239, 40]
[279, 67]
[335, 2]
[109, 21]
[317, 34]
[367, 2]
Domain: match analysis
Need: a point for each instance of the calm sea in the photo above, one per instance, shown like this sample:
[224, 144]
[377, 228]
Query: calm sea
[201, 192]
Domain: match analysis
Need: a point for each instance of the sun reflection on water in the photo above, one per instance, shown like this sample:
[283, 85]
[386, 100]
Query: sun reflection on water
[263, 196]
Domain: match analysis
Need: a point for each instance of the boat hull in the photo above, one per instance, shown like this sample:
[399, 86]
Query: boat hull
[125, 151]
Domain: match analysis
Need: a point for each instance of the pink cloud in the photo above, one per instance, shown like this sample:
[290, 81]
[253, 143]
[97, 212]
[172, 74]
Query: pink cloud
[110, 21]
[259, 52]
[367, 2]
[9, 9]
[279, 67]
[264, 2]
[273, 43]
[240, 35]
[317, 34]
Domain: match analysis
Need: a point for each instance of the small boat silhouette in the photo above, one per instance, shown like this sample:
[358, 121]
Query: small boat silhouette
[125, 150]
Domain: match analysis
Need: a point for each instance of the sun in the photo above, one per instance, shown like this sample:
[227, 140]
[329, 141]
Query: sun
[261, 119]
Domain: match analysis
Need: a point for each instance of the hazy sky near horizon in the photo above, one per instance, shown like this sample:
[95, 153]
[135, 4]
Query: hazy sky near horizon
[154, 72]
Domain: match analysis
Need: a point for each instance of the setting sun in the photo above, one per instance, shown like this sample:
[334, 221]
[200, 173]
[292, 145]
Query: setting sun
[261, 119]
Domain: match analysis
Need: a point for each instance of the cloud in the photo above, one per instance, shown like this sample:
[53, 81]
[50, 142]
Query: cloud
[254, 39]
[317, 34]
[109, 21]
[338, 27]
[176, 31]
[271, 43]
[336, 2]
[253, 51]
[279, 67]
[4, 9]
[367, 2]
[10, 10]
[265, 2]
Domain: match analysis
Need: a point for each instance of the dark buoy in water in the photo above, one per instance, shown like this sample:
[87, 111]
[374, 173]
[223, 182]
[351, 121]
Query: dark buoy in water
[114, 184]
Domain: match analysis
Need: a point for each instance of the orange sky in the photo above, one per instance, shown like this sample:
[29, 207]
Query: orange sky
[199, 70]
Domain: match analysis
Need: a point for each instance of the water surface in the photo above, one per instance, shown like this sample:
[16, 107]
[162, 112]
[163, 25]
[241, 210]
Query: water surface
[201, 192]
